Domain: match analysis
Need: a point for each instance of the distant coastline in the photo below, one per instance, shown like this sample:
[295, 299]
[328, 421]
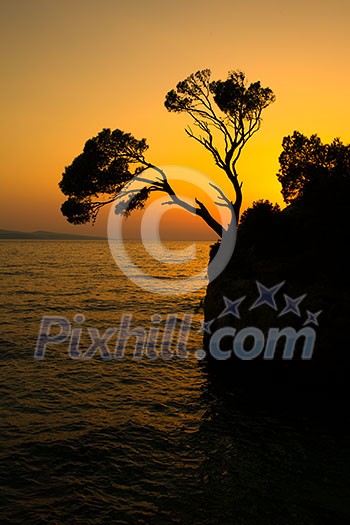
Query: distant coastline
[56, 236]
[44, 235]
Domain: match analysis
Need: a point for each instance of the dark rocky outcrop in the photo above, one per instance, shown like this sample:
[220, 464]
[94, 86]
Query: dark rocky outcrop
[305, 245]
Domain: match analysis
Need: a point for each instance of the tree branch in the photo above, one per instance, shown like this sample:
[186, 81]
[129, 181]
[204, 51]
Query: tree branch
[201, 210]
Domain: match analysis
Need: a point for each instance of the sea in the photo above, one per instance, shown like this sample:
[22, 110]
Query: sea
[88, 436]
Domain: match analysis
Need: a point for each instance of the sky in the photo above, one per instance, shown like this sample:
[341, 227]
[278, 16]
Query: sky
[73, 67]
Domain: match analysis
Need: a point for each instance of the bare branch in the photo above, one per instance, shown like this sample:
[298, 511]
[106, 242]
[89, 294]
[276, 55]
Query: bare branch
[222, 196]
[203, 212]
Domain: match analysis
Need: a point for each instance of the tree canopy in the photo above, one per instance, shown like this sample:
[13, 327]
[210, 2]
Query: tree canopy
[108, 162]
[306, 162]
[225, 115]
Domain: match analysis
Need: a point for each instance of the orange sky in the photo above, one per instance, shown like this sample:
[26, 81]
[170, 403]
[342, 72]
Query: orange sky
[71, 68]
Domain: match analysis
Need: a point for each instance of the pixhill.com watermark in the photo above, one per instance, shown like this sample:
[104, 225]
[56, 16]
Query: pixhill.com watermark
[167, 337]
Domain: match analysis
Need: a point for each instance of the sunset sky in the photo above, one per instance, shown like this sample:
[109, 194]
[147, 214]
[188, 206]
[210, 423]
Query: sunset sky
[72, 67]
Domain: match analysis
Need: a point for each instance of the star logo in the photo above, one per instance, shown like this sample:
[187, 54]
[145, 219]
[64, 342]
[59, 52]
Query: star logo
[267, 295]
[292, 305]
[231, 307]
[312, 317]
[205, 326]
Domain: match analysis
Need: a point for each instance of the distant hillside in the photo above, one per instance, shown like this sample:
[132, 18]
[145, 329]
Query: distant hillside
[43, 235]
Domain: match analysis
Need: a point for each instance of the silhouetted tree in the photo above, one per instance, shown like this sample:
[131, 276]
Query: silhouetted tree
[307, 162]
[229, 107]
[226, 113]
[261, 211]
[259, 226]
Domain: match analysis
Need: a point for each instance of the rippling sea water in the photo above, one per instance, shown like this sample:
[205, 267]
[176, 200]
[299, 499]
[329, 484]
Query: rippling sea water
[99, 441]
